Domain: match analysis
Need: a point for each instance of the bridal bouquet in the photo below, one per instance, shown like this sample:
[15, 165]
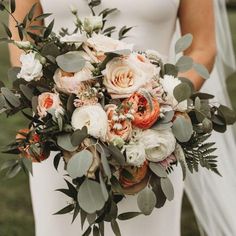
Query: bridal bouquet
[121, 120]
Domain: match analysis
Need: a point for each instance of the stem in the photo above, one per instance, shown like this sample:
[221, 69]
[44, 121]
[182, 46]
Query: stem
[13, 17]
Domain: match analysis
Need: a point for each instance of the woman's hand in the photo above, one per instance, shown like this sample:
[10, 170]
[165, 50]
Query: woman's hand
[197, 17]
[22, 8]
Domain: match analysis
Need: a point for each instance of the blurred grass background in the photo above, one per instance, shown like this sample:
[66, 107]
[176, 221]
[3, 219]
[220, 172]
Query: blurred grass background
[16, 217]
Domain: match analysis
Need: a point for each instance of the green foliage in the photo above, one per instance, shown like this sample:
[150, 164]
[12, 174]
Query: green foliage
[183, 43]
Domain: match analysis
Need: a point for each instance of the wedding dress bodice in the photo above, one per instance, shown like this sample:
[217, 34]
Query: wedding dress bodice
[154, 21]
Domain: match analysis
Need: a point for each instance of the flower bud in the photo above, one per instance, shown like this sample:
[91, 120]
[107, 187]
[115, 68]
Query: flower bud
[25, 45]
[92, 23]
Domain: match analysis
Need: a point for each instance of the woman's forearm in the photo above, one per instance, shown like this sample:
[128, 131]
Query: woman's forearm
[22, 8]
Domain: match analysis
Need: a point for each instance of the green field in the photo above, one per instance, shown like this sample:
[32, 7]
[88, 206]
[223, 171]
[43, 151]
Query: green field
[15, 207]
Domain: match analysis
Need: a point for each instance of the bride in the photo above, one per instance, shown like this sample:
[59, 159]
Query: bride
[155, 24]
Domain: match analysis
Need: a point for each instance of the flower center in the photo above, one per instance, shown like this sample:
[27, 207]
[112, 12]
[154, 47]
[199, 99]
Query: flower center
[48, 102]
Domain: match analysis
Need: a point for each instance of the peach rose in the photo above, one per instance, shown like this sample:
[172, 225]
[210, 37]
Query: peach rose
[144, 115]
[49, 102]
[72, 82]
[125, 75]
[118, 125]
[138, 173]
[25, 148]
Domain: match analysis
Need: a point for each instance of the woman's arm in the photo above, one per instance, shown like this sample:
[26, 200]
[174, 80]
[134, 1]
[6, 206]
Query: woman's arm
[197, 17]
[22, 8]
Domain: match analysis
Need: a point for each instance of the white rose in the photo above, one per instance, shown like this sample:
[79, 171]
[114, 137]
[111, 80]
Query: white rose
[23, 44]
[158, 144]
[93, 117]
[102, 43]
[76, 38]
[169, 83]
[31, 68]
[92, 23]
[124, 76]
[135, 153]
[71, 82]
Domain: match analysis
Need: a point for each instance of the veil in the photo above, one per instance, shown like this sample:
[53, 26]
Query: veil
[213, 197]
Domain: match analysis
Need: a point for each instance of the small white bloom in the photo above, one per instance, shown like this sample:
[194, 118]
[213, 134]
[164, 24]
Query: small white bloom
[122, 117]
[92, 23]
[23, 44]
[154, 55]
[31, 68]
[93, 117]
[76, 38]
[129, 116]
[135, 153]
[73, 9]
[158, 144]
[115, 117]
[117, 126]
[118, 141]
[169, 83]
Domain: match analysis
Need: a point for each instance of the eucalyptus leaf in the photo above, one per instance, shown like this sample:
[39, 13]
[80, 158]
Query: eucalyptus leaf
[168, 117]
[13, 72]
[116, 154]
[182, 92]
[182, 129]
[71, 62]
[28, 92]
[201, 70]
[184, 63]
[11, 97]
[105, 165]
[90, 196]
[64, 141]
[146, 201]
[158, 169]
[115, 228]
[34, 103]
[79, 164]
[170, 69]
[183, 43]
[167, 188]
[228, 114]
[103, 187]
[79, 135]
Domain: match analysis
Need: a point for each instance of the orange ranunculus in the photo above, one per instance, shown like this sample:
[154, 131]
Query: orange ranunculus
[125, 129]
[138, 173]
[25, 148]
[144, 115]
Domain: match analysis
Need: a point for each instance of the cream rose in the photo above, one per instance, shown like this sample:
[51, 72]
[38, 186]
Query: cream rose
[124, 76]
[102, 43]
[31, 68]
[49, 102]
[169, 83]
[158, 144]
[93, 117]
[71, 82]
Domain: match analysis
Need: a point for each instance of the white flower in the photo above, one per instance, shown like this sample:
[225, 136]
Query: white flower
[93, 117]
[23, 44]
[92, 23]
[135, 153]
[31, 68]
[102, 43]
[169, 83]
[124, 76]
[158, 144]
[76, 38]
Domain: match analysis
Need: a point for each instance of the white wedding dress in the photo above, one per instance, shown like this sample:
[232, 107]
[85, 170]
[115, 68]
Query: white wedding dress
[154, 24]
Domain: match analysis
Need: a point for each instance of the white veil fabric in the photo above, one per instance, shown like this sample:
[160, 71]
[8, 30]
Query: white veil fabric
[213, 197]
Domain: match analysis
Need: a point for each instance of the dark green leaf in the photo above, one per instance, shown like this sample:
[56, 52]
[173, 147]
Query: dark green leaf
[48, 30]
[65, 210]
[27, 164]
[31, 12]
[2, 7]
[8, 164]
[87, 232]
[56, 160]
[42, 16]
[27, 92]
[128, 215]
[95, 231]
[13, 5]
[115, 228]
[64, 141]
[76, 212]
[7, 30]
[170, 69]
[13, 171]
[228, 114]
[105, 165]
